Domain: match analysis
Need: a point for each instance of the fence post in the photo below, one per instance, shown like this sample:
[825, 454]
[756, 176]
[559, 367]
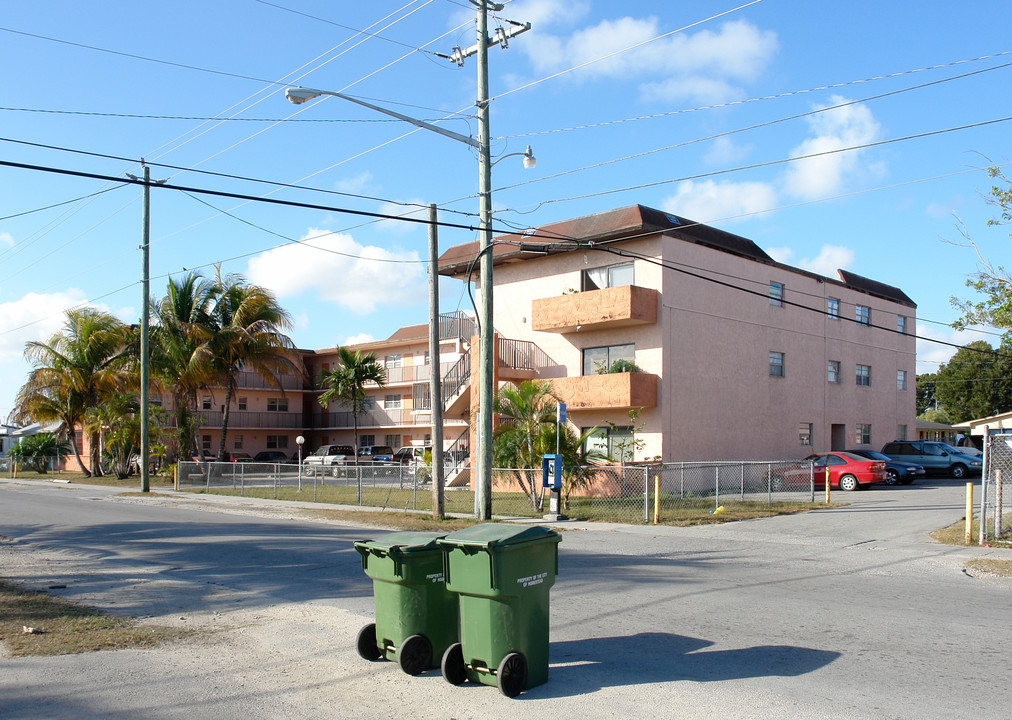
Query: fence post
[968, 534]
[716, 487]
[983, 509]
[646, 498]
[743, 481]
[657, 498]
[681, 481]
[207, 484]
[358, 478]
[997, 504]
[275, 486]
[242, 480]
[769, 484]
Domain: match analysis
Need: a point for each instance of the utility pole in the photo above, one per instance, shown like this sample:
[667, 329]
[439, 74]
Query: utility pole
[486, 389]
[145, 348]
[435, 394]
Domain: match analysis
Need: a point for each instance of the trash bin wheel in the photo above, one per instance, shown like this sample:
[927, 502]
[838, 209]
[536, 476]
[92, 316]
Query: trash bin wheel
[366, 642]
[453, 668]
[415, 654]
[512, 674]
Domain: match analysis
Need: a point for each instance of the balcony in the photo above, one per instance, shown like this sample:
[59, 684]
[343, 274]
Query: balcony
[239, 419]
[252, 380]
[596, 309]
[612, 391]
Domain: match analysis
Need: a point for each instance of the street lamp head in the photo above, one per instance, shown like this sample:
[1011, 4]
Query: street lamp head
[529, 160]
[300, 440]
[299, 95]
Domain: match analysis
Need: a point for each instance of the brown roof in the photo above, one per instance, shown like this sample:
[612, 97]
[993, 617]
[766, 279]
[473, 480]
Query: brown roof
[874, 287]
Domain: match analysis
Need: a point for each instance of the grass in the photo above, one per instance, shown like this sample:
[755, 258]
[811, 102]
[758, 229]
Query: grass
[990, 566]
[63, 628]
[80, 477]
[955, 534]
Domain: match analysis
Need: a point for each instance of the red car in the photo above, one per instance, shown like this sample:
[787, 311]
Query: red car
[846, 472]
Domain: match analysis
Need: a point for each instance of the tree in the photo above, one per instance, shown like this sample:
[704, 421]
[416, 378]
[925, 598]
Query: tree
[346, 382]
[993, 282]
[183, 325]
[976, 382]
[527, 415]
[72, 372]
[935, 416]
[37, 450]
[925, 392]
[247, 324]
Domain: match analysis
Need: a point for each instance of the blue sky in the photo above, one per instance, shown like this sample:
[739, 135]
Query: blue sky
[622, 102]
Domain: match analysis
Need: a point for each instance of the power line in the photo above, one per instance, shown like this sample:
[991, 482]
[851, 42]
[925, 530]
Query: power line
[56, 205]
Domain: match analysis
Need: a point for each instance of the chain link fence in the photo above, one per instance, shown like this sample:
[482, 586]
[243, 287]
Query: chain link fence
[608, 493]
[996, 489]
[42, 465]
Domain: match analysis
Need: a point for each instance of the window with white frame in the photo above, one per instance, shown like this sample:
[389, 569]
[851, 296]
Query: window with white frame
[618, 443]
[776, 294]
[864, 375]
[606, 277]
[205, 402]
[833, 371]
[393, 441]
[237, 442]
[277, 404]
[776, 364]
[369, 402]
[366, 439]
[205, 442]
[862, 314]
[901, 432]
[393, 361]
[901, 324]
[805, 434]
[598, 360]
[833, 308]
[242, 403]
[862, 434]
[391, 402]
[901, 379]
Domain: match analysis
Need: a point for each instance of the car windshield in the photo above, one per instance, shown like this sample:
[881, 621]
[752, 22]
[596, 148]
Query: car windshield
[874, 455]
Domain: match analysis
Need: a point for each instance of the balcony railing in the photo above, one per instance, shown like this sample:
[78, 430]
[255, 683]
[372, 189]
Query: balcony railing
[243, 419]
[392, 417]
[595, 309]
[252, 380]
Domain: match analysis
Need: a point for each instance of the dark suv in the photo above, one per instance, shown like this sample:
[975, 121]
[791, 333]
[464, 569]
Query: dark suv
[934, 457]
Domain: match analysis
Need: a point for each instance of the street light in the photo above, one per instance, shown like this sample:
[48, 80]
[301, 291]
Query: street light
[300, 441]
[299, 95]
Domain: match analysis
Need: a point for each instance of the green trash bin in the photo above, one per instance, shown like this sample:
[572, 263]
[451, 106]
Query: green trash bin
[416, 616]
[502, 574]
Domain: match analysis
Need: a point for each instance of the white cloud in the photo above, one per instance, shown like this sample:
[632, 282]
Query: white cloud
[931, 354]
[831, 130]
[724, 151]
[830, 259]
[358, 339]
[33, 317]
[781, 254]
[709, 201]
[415, 209]
[339, 270]
[703, 66]
[354, 184]
[6, 240]
[540, 13]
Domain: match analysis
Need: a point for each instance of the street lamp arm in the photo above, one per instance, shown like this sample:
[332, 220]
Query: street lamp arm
[299, 95]
[528, 155]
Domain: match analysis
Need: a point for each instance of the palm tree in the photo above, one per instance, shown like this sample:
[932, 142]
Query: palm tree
[248, 324]
[346, 382]
[183, 325]
[72, 372]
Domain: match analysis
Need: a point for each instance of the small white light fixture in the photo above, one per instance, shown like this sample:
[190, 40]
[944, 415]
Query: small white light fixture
[530, 162]
[300, 440]
[299, 95]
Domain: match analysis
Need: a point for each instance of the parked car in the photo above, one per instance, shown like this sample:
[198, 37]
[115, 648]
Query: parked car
[239, 457]
[327, 455]
[846, 472]
[934, 457]
[270, 456]
[376, 453]
[411, 454]
[897, 471]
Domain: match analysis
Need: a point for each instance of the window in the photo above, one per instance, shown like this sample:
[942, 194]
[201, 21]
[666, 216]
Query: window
[205, 402]
[393, 361]
[366, 439]
[805, 434]
[369, 402]
[600, 359]
[864, 375]
[833, 371]
[391, 402]
[833, 308]
[277, 404]
[242, 403]
[607, 277]
[863, 315]
[901, 432]
[901, 379]
[776, 294]
[205, 442]
[776, 364]
[277, 442]
[237, 442]
[393, 441]
[862, 435]
[618, 443]
[901, 324]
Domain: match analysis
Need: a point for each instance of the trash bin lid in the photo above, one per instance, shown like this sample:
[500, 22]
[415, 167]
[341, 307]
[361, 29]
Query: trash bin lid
[404, 542]
[488, 535]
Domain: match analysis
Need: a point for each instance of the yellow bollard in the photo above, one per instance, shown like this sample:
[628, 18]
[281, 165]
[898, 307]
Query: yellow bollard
[657, 498]
[827, 485]
[967, 537]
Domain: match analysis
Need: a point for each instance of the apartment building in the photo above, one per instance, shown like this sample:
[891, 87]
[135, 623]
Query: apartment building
[723, 352]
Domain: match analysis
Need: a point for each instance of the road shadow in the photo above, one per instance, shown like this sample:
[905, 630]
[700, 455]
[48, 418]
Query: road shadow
[583, 666]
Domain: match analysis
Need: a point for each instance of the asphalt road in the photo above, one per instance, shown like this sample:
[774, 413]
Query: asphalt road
[845, 613]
